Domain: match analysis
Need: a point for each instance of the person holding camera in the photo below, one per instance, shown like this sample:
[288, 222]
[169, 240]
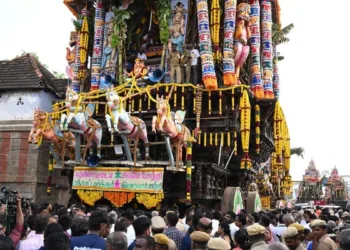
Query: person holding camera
[15, 235]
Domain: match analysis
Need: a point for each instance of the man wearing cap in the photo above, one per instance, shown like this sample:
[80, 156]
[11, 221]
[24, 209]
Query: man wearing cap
[199, 240]
[158, 226]
[345, 217]
[256, 234]
[319, 229]
[292, 239]
[301, 231]
[162, 242]
[218, 244]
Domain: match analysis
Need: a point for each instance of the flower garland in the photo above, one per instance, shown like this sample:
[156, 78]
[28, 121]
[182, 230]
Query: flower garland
[267, 48]
[208, 71]
[49, 176]
[84, 37]
[119, 199]
[198, 107]
[256, 84]
[275, 78]
[149, 200]
[278, 135]
[229, 30]
[98, 42]
[244, 106]
[257, 129]
[90, 197]
[215, 27]
[189, 170]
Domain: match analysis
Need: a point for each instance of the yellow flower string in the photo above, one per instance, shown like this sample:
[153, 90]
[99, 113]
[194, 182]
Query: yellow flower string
[209, 101]
[90, 197]
[149, 200]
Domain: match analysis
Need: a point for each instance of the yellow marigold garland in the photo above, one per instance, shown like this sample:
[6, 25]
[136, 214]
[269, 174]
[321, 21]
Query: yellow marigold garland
[90, 197]
[149, 200]
[257, 129]
[84, 39]
[244, 106]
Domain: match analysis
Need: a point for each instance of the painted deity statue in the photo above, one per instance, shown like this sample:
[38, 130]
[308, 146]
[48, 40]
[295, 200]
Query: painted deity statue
[42, 127]
[78, 119]
[120, 120]
[109, 53]
[171, 124]
[71, 53]
[139, 70]
[242, 34]
[177, 29]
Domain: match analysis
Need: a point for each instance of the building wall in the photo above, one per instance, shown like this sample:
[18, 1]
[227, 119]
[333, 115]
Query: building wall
[31, 100]
[24, 166]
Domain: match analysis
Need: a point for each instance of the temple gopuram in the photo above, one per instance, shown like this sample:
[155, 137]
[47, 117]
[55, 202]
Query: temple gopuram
[335, 191]
[310, 188]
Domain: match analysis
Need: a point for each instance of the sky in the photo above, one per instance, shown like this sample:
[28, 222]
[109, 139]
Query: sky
[314, 91]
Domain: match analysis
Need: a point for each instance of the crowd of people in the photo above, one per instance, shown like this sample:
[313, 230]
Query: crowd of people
[56, 227]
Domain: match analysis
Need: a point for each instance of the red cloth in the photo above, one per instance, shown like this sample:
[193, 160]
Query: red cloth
[15, 234]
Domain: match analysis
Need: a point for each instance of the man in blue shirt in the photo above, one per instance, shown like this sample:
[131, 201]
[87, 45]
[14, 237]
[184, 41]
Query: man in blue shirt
[99, 227]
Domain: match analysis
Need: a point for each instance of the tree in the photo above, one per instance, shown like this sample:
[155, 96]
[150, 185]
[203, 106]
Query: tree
[119, 36]
[279, 35]
[58, 75]
[299, 151]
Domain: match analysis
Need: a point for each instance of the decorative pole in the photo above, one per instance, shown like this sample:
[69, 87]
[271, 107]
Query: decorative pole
[49, 176]
[256, 84]
[76, 75]
[208, 70]
[229, 31]
[98, 42]
[190, 141]
[267, 48]
[275, 78]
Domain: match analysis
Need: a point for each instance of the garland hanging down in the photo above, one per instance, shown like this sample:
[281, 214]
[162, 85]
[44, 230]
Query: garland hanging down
[119, 199]
[276, 78]
[89, 197]
[149, 200]
[84, 37]
[257, 129]
[215, 28]
[267, 48]
[229, 30]
[256, 84]
[208, 70]
[97, 51]
[189, 170]
[244, 106]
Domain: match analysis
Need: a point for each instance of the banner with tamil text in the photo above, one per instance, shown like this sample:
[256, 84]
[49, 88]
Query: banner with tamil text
[138, 180]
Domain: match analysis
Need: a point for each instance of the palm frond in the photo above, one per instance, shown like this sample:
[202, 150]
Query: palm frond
[299, 151]
[279, 35]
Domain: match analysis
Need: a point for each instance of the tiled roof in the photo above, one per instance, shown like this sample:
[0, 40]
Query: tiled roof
[25, 72]
[61, 86]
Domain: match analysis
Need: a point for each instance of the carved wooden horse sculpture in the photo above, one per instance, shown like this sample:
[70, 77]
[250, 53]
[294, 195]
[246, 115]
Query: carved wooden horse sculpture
[80, 119]
[42, 127]
[120, 120]
[172, 126]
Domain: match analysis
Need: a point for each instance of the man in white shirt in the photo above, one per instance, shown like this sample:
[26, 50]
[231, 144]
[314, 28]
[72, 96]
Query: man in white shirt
[194, 62]
[130, 234]
[37, 240]
[230, 218]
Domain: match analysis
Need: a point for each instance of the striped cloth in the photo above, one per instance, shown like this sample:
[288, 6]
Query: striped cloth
[208, 70]
[255, 82]
[266, 24]
[229, 30]
[98, 42]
